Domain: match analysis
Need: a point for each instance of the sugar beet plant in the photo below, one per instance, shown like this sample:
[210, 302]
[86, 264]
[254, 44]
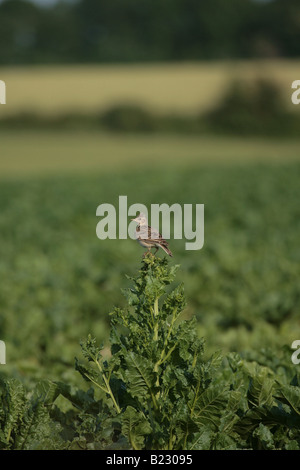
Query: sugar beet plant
[158, 391]
[156, 383]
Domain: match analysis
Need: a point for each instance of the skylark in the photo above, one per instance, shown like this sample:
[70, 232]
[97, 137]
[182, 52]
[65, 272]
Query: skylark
[149, 237]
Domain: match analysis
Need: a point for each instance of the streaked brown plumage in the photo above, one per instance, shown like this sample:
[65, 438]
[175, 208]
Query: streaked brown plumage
[150, 237]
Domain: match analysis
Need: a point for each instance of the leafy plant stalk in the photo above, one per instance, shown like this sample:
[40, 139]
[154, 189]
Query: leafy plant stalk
[160, 391]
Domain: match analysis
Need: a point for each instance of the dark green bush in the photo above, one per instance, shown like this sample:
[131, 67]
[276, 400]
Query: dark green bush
[128, 118]
[253, 108]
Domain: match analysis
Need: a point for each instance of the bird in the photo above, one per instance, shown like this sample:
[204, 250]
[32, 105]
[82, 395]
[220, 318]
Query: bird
[149, 237]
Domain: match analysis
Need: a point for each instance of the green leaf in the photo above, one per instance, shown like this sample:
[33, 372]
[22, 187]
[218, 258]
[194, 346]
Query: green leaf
[261, 386]
[38, 431]
[27, 422]
[223, 441]
[175, 300]
[292, 396]
[210, 405]
[201, 440]
[292, 445]
[264, 435]
[87, 373]
[46, 391]
[13, 403]
[139, 377]
[135, 427]
[229, 416]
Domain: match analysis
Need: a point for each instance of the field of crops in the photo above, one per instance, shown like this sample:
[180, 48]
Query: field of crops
[59, 281]
[65, 153]
[183, 88]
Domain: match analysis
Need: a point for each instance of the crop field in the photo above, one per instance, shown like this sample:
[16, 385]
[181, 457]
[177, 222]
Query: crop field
[180, 88]
[24, 154]
[248, 265]
[60, 282]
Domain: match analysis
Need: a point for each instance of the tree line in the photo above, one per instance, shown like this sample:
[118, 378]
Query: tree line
[98, 31]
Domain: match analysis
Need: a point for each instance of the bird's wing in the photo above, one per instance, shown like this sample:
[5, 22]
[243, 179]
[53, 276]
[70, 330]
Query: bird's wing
[145, 232]
[150, 234]
[154, 234]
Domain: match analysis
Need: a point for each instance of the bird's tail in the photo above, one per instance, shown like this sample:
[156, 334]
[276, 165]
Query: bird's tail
[166, 249]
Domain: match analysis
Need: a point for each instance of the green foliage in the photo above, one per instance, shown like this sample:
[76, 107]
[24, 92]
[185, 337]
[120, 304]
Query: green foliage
[93, 30]
[167, 395]
[25, 422]
[156, 389]
[59, 282]
[150, 355]
[253, 108]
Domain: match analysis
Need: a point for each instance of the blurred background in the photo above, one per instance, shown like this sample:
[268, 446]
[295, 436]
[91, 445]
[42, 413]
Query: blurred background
[174, 101]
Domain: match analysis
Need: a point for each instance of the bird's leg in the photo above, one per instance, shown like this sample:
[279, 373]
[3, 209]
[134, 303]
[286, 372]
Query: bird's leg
[156, 250]
[147, 252]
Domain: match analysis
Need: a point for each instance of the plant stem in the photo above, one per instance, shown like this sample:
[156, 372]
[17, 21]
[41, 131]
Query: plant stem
[156, 312]
[195, 398]
[108, 389]
[8, 435]
[170, 445]
[185, 439]
[163, 355]
[155, 337]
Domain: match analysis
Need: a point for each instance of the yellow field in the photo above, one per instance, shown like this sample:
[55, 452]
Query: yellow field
[185, 88]
[42, 153]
